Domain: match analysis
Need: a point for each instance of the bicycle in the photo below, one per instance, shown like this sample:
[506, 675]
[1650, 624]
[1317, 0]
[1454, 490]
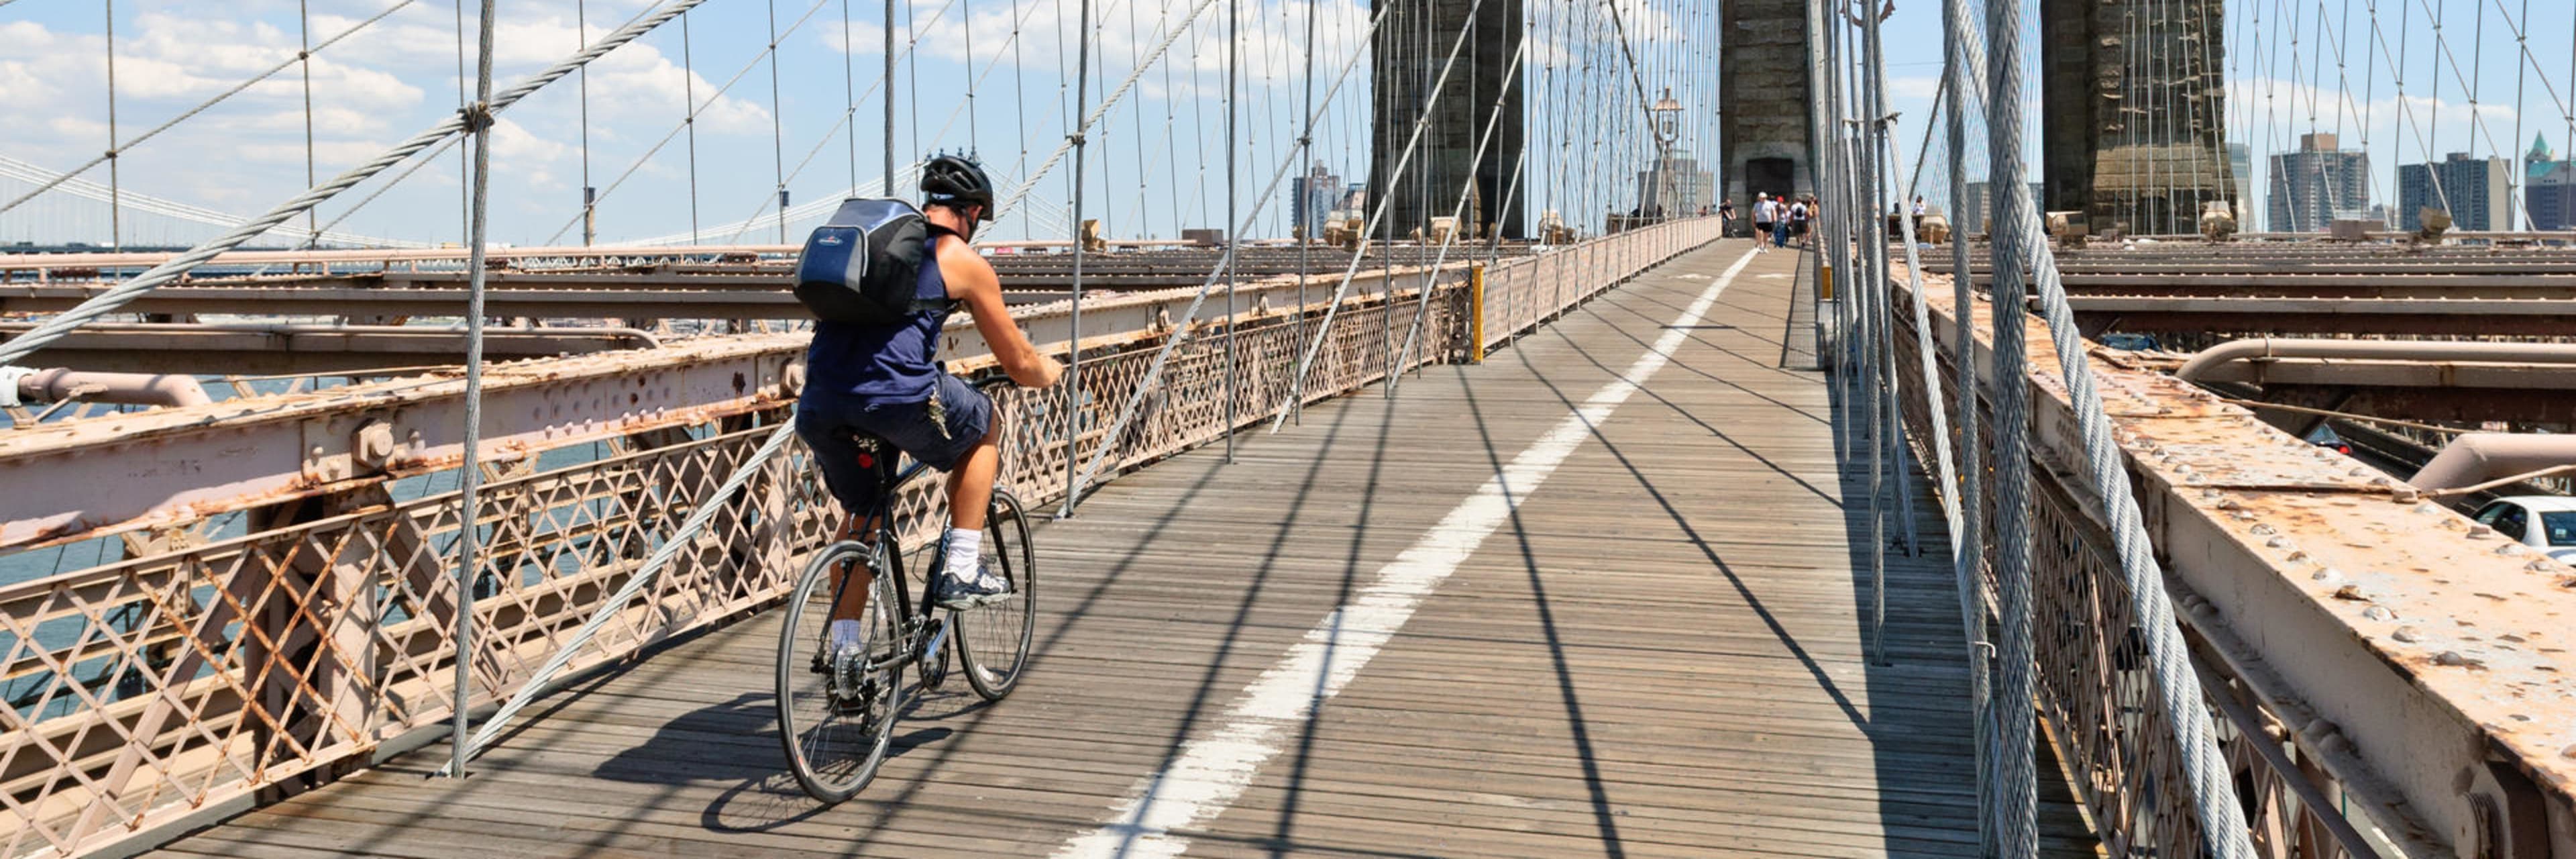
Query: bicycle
[836, 721]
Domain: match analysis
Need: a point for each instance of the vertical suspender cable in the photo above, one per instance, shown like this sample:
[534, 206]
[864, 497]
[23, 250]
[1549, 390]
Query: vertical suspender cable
[1819, 177]
[115, 186]
[478, 117]
[465, 156]
[889, 95]
[689, 90]
[1890, 180]
[1306, 197]
[2016, 810]
[1073, 345]
[777, 128]
[850, 95]
[589, 194]
[304, 58]
[1969, 561]
[1233, 71]
[2517, 218]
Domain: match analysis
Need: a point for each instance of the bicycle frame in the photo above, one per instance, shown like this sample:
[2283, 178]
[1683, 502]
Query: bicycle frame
[877, 539]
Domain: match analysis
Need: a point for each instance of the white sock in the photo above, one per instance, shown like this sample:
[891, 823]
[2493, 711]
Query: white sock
[965, 548]
[844, 633]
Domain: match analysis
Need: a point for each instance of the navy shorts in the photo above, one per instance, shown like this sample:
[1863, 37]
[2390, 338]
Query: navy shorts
[831, 427]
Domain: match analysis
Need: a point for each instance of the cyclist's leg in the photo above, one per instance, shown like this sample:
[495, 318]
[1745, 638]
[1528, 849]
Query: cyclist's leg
[852, 477]
[970, 483]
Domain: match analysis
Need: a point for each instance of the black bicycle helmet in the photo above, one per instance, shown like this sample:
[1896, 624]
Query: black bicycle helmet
[957, 180]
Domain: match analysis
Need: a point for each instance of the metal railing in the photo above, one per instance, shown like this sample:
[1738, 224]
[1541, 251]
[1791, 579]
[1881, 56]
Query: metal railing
[2313, 771]
[225, 664]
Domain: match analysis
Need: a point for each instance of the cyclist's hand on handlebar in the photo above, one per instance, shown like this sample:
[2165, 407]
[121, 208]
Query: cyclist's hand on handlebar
[1042, 372]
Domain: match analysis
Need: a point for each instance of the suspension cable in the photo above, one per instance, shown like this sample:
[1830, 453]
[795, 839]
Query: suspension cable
[169, 270]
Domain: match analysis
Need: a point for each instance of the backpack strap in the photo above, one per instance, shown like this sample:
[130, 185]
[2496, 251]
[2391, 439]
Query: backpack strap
[930, 257]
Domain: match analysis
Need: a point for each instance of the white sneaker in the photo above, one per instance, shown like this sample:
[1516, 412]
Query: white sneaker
[958, 592]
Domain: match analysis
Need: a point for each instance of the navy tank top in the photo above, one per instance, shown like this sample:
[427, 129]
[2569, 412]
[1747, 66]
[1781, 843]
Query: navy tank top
[887, 363]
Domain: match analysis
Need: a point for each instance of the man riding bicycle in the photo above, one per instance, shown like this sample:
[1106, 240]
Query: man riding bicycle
[885, 382]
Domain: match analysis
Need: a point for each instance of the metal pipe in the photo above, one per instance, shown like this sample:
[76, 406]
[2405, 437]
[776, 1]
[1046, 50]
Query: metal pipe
[2254, 348]
[139, 389]
[2479, 457]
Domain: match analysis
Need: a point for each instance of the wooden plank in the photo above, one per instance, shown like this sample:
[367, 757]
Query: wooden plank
[1661, 654]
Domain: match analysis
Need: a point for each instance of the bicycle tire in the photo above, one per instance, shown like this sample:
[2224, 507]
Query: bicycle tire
[993, 639]
[833, 752]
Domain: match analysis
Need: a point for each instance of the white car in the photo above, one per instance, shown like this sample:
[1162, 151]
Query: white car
[2544, 522]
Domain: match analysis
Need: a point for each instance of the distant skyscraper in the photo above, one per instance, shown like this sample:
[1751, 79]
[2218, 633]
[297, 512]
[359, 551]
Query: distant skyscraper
[1316, 194]
[2478, 192]
[1684, 188]
[2312, 187]
[2240, 160]
[2549, 188]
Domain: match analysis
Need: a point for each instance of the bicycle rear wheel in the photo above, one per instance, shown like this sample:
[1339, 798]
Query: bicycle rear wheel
[993, 639]
[835, 724]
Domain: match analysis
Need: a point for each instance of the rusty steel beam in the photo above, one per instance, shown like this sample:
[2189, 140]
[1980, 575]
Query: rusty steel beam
[2422, 663]
[279, 348]
[2239, 315]
[168, 465]
[176, 464]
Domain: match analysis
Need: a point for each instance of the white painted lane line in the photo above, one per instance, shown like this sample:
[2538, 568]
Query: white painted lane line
[1213, 771]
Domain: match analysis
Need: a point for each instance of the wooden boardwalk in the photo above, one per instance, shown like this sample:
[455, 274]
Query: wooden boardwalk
[1657, 653]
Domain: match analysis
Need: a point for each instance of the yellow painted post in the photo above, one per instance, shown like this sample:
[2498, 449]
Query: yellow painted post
[1476, 313]
[1824, 283]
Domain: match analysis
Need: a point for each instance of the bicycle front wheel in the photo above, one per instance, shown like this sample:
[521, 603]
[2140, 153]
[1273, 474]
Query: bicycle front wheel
[836, 716]
[993, 639]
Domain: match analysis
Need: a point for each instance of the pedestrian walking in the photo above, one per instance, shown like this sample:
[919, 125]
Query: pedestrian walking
[1766, 211]
[1799, 214]
[1726, 218]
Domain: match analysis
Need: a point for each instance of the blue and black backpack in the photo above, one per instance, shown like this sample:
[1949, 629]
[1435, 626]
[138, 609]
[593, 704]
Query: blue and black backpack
[863, 265]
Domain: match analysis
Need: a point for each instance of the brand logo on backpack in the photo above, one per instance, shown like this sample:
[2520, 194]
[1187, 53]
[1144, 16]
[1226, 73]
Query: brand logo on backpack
[863, 266]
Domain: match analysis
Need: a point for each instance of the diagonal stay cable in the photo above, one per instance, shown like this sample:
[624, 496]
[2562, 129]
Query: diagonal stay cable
[201, 107]
[11, 168]
[1089, 119]
[708, 508]
[1181, 326]
[1297, 380]
[851, 115]
[2178, 689]
[107, 302]
[1422, 304]
[689, 120]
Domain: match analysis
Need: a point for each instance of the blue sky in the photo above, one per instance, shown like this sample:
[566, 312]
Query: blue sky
[400, 75]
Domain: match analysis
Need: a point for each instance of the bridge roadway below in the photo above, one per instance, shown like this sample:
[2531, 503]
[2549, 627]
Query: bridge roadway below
[1657, 652]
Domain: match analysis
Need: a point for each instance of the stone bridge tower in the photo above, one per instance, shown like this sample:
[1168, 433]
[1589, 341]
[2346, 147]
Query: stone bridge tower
[2134, 128]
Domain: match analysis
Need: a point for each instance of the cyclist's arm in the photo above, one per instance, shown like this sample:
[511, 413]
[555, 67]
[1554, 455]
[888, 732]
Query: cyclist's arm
[971, 280]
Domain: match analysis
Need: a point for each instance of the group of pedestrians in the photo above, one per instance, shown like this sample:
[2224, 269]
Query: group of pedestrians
[1779, 220]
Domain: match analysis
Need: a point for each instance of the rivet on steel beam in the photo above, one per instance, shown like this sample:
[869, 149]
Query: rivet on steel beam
[2265, 530]
[2405, 495]
[2480, 530]
[2406, 634]
[2328, 575]
[2453, 658]
[2378, 612]
[2509, 549]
